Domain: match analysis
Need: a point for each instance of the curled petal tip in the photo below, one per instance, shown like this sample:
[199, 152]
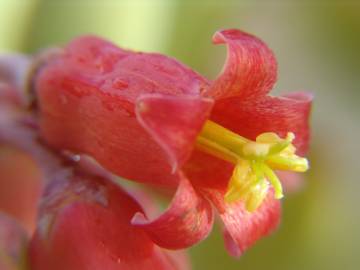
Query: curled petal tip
[250, 69]
[222, 36]
[187, 220]
[218, 38]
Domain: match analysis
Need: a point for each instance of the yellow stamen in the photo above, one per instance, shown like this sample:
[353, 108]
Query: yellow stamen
[256, 197]
[274, 180]
[254, 162]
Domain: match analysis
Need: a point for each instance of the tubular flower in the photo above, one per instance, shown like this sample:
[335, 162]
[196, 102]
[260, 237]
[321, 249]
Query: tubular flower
[148, 118]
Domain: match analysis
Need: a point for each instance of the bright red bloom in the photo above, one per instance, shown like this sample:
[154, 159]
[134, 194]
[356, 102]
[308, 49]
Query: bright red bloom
[140, 116]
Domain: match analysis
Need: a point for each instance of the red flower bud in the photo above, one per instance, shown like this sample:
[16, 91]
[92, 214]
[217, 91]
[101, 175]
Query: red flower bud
[84, 223]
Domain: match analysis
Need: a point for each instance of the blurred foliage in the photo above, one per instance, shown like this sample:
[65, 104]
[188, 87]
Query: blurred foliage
[317, 45]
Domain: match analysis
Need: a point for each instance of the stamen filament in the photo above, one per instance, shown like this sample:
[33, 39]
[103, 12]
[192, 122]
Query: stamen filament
[296, 164]
[215, 149]
[257, 169]
[254, 199]
[274, 180]
[223, 136]
[239, 184]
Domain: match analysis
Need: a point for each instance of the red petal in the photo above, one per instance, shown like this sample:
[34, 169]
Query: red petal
[174, 122]
[91, 111]
[284, 114]
[243, 228]
[142, 73]
[187, 221]
[13, 243]
[85, 224]
[250, 69]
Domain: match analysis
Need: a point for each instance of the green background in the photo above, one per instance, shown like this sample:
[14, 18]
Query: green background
[317, 44]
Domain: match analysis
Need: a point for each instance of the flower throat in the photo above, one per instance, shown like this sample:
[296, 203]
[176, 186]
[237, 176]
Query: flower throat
[255, 161]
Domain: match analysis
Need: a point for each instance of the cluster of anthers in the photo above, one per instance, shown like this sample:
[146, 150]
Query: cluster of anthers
[254, 162]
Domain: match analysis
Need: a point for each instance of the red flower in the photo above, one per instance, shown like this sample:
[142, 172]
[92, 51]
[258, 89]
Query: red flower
[148, 118]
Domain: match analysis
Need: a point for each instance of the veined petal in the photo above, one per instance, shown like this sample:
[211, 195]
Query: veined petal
[243, 228]
[288, 113]
[85, 225]
[174, 122]
[187, 221]
[250, 69]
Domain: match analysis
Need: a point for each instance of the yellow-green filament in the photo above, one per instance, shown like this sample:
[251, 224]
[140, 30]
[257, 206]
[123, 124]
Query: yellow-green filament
[293, 163]
[255, 162]
[274, 180]
[215, 149]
